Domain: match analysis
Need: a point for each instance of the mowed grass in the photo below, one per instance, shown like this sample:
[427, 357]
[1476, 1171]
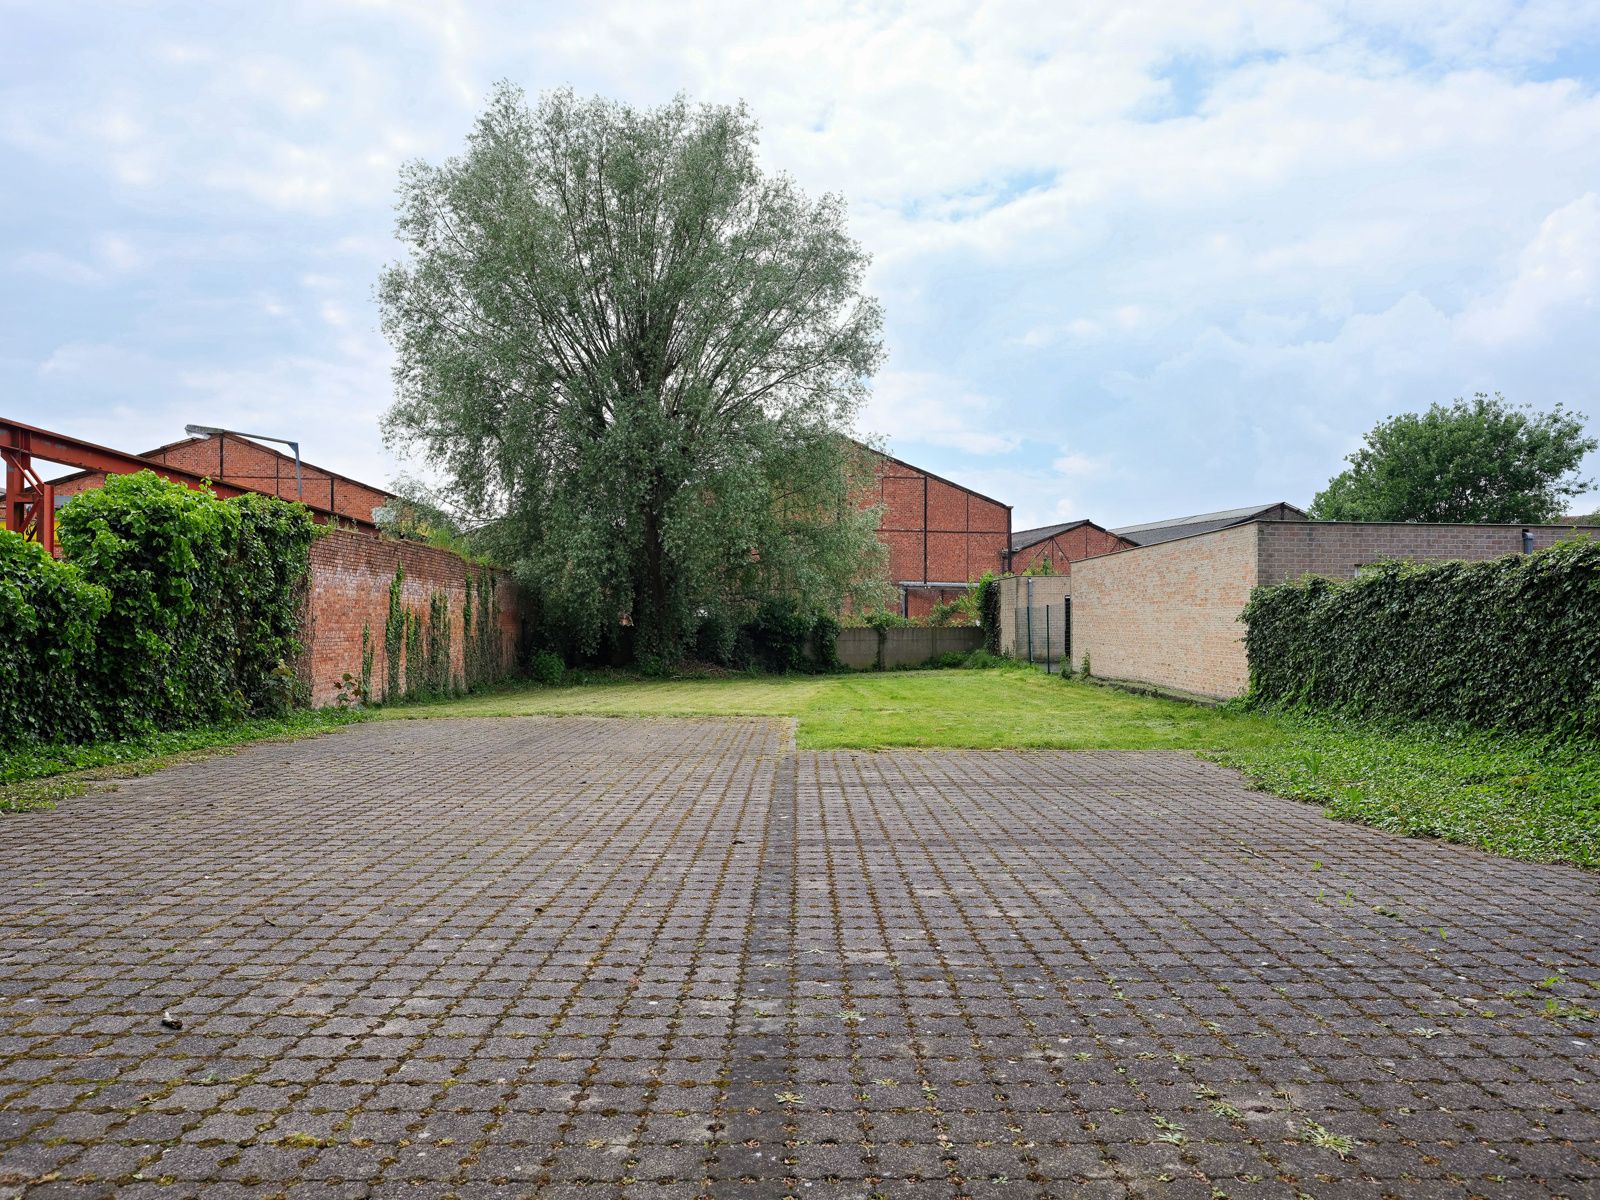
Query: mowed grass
[967, 710]
[1520, 797]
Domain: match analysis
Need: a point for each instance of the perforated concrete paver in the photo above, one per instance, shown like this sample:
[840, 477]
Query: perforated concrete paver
[673, 958]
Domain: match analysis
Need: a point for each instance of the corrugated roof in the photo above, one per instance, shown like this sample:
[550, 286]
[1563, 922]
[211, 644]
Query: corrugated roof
[1152, 532]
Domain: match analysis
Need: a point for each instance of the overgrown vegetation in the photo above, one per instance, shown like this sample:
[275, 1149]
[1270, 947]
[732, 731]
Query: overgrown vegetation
[1527, 797]
[170, 609]
[1509, 644]
[418, 645]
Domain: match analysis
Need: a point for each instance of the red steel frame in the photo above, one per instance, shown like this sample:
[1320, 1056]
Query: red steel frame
[30, 505]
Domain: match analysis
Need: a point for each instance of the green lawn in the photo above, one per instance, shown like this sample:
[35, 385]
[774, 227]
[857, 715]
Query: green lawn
[976, 710]
[1514, 796]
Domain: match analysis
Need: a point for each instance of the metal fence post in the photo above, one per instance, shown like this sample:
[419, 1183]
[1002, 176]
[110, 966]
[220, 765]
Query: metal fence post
[1047, 639]
[1030, 633]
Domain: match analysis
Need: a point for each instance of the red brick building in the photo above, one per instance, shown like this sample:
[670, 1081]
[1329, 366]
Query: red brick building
[1062, 545]
[235, 459]
[940, 535]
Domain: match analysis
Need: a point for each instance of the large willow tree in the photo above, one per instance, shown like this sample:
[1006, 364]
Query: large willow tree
[633, 354]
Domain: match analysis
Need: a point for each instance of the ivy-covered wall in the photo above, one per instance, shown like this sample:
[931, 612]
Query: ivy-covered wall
[169, 608]
[1510, 643]
[404, 619]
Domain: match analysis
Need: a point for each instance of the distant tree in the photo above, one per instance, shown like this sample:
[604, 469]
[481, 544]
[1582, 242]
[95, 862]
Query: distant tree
[632, 355]
[1474, 460]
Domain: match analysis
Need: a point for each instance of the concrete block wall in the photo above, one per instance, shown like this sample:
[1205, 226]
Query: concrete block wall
[858, 648]
[1168, 614]
[349, 590]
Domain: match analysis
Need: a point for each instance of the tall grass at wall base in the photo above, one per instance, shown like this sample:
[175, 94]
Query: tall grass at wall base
[1525, 796]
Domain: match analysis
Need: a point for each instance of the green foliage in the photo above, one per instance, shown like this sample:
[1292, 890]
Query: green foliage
[1528, 797]
[988, 590]
[1043, 567]
[632, 355]
[1507, 644]
[49, 620]
[438, 639]
[188, 610]
[778, 635]
[394, 634]
[368, 648]
[416, 663]
[825, 644]
[547, 669]
[1475, 460]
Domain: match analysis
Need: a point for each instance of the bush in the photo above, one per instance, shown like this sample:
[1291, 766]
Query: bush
[825, 645]
[49, 618]
[989, 612]
[1507, 644]
[547, 668]
[172, 608]
[778, 635]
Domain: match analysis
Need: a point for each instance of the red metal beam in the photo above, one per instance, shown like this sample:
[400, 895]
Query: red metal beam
[31, 502]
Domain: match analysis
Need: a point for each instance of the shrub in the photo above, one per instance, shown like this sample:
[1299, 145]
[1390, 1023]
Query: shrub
[825, 644]
[547, 668]
[49, 618]
[1508, 644]
[778, 635]
[989, 611]
[204, 600]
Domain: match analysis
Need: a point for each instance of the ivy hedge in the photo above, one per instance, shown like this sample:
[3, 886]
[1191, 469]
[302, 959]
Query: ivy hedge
[1509, 644]
[170, 608]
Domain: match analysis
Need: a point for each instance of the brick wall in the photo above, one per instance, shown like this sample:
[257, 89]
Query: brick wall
[1086, 541]
[1042, 594]
[1168, 614]
[349, 590]
[1341, 548]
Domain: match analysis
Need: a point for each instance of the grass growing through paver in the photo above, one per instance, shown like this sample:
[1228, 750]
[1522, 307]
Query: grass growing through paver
[1521, 797]
[36, 776]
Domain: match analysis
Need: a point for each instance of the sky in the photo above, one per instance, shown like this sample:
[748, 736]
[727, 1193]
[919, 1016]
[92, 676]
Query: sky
[1137, 260]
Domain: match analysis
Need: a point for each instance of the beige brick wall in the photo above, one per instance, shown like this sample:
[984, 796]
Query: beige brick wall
[1341, 548]
[1018, 593]
[1168, 614]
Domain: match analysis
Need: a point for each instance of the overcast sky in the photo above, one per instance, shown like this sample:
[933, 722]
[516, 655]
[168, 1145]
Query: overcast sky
[1138, 259]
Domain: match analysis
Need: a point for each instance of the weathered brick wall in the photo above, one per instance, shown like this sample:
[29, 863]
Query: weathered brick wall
[1168, 614]
[349, 591]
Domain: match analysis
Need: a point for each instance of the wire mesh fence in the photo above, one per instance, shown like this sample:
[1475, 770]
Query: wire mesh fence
[1044, 634]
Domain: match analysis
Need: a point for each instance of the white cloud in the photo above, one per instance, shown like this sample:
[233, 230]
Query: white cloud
[929, 409]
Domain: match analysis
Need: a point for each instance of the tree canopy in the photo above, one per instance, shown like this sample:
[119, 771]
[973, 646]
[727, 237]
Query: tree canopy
[1472, 460]
[632, 355]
